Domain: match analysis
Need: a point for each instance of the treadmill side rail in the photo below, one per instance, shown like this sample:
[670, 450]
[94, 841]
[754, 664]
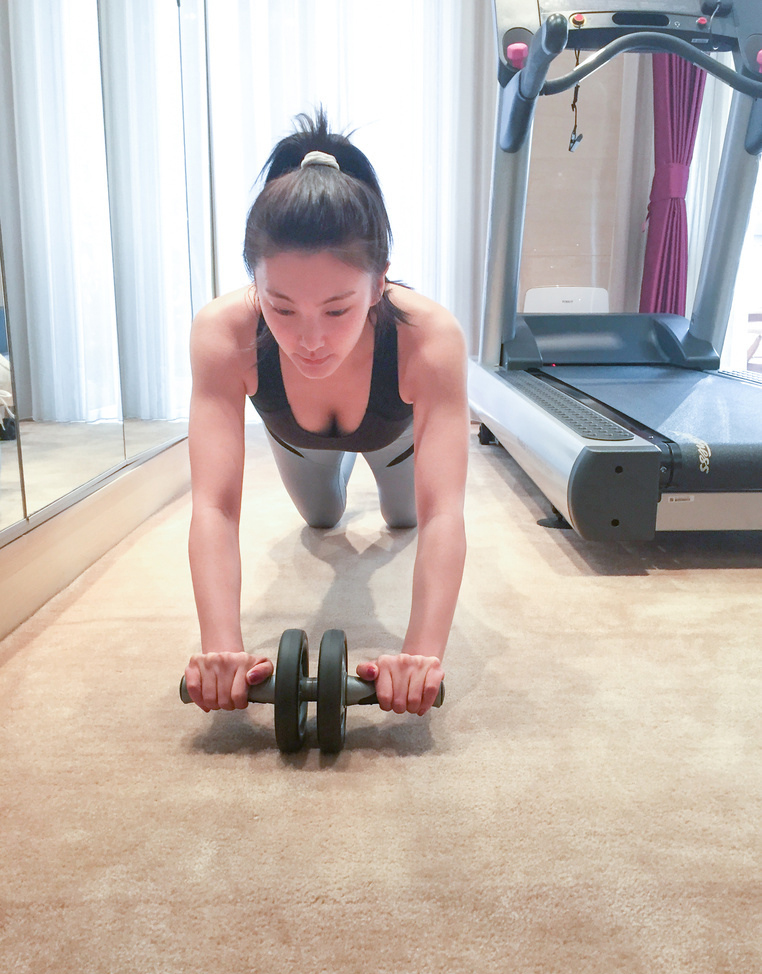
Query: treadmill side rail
[607, 489]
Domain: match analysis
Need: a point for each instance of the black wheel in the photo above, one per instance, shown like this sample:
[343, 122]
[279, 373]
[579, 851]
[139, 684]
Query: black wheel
[290, 709]
[332, 691]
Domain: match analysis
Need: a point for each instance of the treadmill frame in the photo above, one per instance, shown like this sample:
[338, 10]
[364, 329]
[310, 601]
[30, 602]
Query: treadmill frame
[607, 490]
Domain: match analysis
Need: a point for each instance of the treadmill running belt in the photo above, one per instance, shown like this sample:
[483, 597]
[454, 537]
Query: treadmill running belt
[713, 417]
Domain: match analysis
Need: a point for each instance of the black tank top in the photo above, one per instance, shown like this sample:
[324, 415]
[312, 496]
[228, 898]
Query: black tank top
[385, 419]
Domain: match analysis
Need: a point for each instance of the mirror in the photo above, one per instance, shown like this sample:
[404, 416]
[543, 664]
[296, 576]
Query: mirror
[11, 502]
[60, 300]
[108, 243]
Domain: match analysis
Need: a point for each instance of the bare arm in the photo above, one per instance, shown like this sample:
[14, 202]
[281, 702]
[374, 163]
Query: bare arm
[441, 459]
[218, 677]
[435, 380]
[216, 443]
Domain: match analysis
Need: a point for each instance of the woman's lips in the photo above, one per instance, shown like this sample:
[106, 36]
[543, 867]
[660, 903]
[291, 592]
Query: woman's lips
[313, 361]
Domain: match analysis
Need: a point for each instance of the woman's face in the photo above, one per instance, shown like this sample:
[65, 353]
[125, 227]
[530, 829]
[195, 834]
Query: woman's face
[316, 307]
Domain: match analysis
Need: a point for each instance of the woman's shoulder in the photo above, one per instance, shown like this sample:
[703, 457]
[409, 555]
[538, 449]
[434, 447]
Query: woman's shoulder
[426, 322]
[223, 336]
[229, 313]
[227, 323]
[431, 343]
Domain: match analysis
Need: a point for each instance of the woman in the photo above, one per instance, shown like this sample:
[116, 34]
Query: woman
[338, 361]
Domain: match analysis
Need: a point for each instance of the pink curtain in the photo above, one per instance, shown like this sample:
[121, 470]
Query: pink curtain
[678, 91]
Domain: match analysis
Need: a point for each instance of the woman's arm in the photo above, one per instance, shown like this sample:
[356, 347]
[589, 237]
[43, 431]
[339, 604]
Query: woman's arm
[441, 427]
[433, 377]
[217, 678]
[216, 444]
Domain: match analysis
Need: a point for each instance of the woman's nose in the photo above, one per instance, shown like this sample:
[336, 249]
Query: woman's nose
[311, 339]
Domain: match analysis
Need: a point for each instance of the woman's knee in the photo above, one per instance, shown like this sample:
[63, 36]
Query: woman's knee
[399, 510]
[400, 523]
[321, 510]
[396, 495]
[322, 523]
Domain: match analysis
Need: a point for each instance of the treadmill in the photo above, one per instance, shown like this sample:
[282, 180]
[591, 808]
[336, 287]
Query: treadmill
[624, 421]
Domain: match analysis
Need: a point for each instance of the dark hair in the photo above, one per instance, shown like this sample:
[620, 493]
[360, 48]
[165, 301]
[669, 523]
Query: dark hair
[319, 207]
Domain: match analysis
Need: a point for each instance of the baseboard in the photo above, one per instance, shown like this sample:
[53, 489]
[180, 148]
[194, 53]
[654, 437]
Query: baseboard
[42, 561]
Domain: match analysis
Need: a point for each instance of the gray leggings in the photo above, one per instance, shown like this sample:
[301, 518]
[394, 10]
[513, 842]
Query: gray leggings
[316, 481]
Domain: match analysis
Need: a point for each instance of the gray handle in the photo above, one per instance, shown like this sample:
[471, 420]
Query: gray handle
[260, 693]
[545, 47]
[361, 692]
[357, 691]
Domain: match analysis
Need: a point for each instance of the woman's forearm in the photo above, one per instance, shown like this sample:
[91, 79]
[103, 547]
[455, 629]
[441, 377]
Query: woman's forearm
[437, 576]
[215, 562]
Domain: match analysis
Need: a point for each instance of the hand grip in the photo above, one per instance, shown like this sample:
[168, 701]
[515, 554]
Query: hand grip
[364, 693]
[544, 49]
[357, 692]
[260, 693]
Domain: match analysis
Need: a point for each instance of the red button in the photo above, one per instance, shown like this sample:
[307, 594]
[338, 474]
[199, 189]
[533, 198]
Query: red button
[702, 21]
[516, 54]
[578, 20]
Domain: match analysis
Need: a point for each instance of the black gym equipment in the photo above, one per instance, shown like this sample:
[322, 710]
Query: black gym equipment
[332, 691]
[291, 688]
[624, 421]
[290, 707]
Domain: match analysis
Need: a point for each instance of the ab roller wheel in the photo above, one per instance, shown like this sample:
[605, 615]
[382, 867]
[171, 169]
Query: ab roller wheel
[291, 689]
[290, 706]
[332, 691]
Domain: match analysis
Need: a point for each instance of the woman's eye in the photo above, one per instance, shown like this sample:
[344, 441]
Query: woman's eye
[283, 311]
[337, 314]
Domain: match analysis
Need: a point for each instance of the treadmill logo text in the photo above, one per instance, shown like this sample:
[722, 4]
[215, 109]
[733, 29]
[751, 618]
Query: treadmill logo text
[704, 453]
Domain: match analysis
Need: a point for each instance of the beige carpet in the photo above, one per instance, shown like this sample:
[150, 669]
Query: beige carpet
[588, 799]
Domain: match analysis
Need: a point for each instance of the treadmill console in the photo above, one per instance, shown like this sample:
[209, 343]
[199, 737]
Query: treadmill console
[708, 25]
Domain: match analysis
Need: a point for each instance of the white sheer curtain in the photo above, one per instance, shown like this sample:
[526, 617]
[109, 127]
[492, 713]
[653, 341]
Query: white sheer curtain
[745, 325]
[747, 301]
[54, 211]
[704, 169]
[140, 53]
[415, 79]
[636, 162]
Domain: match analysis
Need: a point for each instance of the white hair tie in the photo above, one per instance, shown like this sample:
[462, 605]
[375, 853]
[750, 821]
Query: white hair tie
[320, 159]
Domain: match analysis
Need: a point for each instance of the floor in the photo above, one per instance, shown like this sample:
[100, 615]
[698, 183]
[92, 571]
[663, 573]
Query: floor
[587, 800]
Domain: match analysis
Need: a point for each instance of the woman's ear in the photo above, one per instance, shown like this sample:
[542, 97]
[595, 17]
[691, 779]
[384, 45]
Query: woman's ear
[380, 285]
[254, 296]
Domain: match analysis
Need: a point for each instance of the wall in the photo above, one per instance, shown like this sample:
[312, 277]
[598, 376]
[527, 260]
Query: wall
[585, 209]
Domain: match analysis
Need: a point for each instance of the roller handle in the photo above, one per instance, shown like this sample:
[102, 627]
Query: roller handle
[259, 693]
[362, 693]
[357, 692]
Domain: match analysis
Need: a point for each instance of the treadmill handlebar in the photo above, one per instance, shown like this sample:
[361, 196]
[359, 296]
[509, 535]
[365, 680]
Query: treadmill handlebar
[649, 41]
[546, 45]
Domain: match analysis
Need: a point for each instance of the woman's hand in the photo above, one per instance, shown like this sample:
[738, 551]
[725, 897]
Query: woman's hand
[404, 684]
[220, 681]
